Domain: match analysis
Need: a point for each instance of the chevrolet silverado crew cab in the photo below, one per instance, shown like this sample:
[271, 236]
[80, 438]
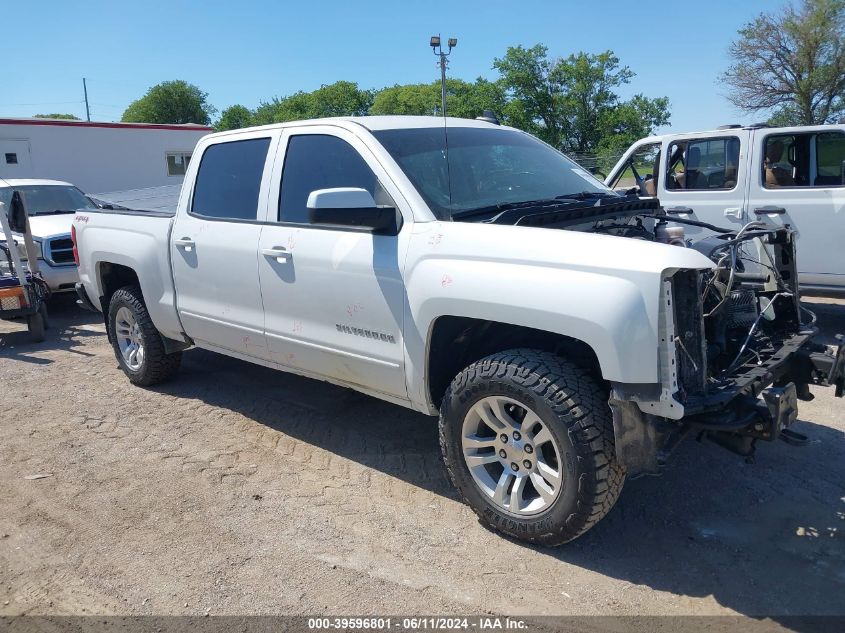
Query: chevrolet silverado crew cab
[566, 335]
[50, 205]
[789, 176]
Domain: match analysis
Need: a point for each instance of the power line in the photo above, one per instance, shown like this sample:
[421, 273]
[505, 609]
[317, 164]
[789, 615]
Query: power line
[7, 105]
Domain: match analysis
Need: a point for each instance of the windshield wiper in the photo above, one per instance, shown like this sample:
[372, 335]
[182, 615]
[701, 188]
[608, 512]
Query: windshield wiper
[588, 195]
[567, 198]
[507, 206]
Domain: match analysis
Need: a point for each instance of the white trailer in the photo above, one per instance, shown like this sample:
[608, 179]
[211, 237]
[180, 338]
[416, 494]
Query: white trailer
[95, 156]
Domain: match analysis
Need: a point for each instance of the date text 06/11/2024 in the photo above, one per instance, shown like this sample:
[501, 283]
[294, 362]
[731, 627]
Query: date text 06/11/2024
[416, 623]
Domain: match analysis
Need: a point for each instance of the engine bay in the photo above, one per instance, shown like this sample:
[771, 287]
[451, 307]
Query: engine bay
[736, 316]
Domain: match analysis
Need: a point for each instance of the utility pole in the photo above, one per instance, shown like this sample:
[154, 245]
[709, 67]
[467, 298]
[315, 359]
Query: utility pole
[87, 109]
[443, 63]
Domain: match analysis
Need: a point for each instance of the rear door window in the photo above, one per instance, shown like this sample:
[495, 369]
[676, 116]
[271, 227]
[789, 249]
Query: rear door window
[229, 180]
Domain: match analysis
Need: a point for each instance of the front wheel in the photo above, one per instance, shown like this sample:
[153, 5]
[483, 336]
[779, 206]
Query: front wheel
[527, 438]
[136, 341]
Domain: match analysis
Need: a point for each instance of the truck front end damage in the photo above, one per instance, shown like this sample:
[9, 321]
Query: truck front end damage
[736, 353]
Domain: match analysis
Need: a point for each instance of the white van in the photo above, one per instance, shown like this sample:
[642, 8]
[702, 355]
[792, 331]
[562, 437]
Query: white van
[737, 174]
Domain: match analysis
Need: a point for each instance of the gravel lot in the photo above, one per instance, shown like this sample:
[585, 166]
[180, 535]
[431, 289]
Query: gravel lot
[236, 489]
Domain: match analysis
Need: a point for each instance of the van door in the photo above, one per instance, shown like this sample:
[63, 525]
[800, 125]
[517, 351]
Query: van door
[214, 244]
[705, 178]
[15, 159]
[334, 296]
[798, 179]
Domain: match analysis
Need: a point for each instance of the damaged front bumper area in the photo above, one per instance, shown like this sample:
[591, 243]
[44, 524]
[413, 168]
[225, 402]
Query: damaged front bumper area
[758, 403]
[761, 402]
[735, 355]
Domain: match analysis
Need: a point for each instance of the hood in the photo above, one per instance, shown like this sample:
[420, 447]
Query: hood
[46, 226]
[574, 250]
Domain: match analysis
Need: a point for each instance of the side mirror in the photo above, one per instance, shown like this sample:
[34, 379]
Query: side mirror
[17, 213]
[352, 207]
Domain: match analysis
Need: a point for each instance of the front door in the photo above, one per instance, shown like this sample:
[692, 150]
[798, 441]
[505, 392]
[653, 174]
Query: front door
[334, 298]
[705, 179]
[214, 245]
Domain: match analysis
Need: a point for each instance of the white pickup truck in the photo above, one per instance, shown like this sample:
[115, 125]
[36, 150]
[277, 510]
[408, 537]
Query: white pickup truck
[468, 270]
[789, 176]
[50, 205]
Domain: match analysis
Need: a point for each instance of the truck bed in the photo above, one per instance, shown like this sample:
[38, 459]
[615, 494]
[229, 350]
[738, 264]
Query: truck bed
[130, 242]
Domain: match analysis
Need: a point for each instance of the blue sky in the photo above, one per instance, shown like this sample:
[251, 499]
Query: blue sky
[245, 52]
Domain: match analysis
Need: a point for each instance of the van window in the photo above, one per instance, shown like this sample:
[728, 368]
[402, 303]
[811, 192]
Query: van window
[319, 161]
[786, 160]
[641, 167]
[803, 160]
[830, 160]
[703, 164]
[229, 180]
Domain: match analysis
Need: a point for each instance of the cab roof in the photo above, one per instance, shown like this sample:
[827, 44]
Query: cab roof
[377, 123]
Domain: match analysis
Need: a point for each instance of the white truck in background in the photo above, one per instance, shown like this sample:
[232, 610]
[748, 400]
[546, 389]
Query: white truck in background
[789, 176]
[479, 275]
[51, 205]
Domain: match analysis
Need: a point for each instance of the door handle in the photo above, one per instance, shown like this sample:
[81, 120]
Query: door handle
[186, 242]
[678, 210]
[733, 212]
[278, 252]
[769, 210]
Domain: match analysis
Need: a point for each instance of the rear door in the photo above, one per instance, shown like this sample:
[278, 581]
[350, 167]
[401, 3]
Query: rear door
[705, 178]
[334, 296]
[214, 245]
[798, 178]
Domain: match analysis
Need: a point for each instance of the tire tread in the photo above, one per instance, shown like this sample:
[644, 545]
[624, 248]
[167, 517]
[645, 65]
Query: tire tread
[159, 366]
[580, 403]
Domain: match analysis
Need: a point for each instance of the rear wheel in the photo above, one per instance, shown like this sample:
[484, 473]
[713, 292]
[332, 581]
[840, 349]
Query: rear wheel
[136, 341]
[527, 438]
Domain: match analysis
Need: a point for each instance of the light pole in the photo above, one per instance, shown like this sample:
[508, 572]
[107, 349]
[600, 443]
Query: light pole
[438, 50]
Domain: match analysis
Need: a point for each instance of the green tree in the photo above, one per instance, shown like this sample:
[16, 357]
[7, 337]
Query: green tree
[791, 63]
[67, 117]
[234, 117]
[463, 99]
[573, 103]
[171, 102]
[342, 98]
[630, 121]
[409, 99]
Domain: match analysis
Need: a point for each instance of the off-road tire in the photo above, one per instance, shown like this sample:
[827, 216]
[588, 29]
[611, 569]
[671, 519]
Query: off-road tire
[158, 366]
[574, 407]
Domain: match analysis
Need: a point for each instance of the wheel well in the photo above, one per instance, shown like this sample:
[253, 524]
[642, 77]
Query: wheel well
[457, 342]
[113, 277]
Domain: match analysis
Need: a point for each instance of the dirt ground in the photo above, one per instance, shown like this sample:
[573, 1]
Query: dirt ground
[236, 489]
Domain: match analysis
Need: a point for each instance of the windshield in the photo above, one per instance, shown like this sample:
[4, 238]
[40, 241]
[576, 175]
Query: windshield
[486, 167]
[41, 199]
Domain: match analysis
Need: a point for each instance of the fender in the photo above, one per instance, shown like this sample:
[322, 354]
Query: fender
[602, 290]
